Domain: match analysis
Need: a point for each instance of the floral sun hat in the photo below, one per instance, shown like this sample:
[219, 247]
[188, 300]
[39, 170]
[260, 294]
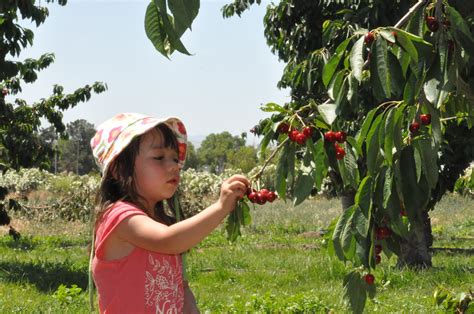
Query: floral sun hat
[116, 133]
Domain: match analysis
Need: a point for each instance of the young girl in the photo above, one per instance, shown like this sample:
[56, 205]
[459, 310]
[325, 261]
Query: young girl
[137, 266]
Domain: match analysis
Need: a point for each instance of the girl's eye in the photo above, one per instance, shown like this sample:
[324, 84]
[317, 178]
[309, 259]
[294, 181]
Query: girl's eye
[159, 158]
[176, 160]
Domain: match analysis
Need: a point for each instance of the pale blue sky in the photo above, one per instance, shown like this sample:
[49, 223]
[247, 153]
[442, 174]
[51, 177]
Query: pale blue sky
[219, 88]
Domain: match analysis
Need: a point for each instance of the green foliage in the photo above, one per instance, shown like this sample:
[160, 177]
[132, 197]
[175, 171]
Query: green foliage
[460, 303]
[68, 295]
[20, 144]
[215, 150]
[192, 160]
[244, 158]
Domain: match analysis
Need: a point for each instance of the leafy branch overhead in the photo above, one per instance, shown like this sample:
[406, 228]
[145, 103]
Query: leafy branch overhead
[381, 104]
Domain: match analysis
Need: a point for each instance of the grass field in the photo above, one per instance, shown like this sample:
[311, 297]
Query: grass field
[279, 265]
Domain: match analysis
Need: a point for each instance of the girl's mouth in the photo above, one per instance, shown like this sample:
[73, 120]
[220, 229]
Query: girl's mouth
[173, 181]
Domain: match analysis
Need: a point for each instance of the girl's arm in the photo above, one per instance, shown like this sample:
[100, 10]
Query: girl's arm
[144, 232]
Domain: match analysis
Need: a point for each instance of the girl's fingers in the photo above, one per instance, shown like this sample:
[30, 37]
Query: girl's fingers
[239, 187]
[240, 178]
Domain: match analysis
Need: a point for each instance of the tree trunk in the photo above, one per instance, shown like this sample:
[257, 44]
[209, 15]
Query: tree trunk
[415, 250]
[347, 198]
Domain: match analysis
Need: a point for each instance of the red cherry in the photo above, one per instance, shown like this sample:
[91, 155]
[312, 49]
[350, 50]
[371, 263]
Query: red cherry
[308, 131]
[382, 233]
[432, 23]
[264, 193]
[341, 136]
[253, 197]
[414, 127]
[378, 249]
[271, 196]
[395, 34]
[5, 91]
[330, 136]
[403, 213]
[300, 138]
[378, 259]
[369, 279]
[425, 119]
[283, 128]
[293, 135]
[261, 198]
[369, 38]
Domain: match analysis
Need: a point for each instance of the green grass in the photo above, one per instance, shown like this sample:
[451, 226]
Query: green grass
[279, 265]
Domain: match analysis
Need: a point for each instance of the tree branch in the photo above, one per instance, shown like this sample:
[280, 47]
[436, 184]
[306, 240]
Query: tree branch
[409, 14]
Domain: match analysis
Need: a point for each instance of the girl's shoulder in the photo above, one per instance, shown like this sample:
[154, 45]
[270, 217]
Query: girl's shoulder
[122, 208]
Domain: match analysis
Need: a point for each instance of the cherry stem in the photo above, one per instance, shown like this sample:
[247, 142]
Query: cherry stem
[265, 164]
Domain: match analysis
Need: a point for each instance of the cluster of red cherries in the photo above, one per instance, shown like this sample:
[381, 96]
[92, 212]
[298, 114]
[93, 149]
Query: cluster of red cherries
[261, 197]
[4, 91]
[381, 233]
[425, 119]
[295, 135]
[336, 137]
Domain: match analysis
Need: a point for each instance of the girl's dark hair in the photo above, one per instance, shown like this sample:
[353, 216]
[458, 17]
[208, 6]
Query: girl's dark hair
[121, 187]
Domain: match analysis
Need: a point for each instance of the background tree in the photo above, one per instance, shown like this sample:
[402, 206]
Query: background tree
[20, 145]
[215, 148]
[76, 156]
[245, 158]
[192, 159]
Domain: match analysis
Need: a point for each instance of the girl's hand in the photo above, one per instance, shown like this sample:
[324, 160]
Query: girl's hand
[232, 190]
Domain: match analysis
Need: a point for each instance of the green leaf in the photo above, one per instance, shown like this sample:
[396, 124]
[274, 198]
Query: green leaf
[435, 124]
[357, 58]
[320, 160]
[352, 141]
[184, 12]
[373, 145]
[282, 170]
[414, 196]
[341, 95]
[355, 293]
[389, 133]
[361, 136]
[387, 187]
[338, 230]
[348, 169]
[429, 161]
[155, 31]
[363, 196]
[458, 23]
[348, 240]
[361, 222]
[405, 42]
[303, 186]
[397, 79]
[336, 85]
[273, 107]
[330, 67]
[328, 112]
[382, 72]
[247, 219]
[173, 37]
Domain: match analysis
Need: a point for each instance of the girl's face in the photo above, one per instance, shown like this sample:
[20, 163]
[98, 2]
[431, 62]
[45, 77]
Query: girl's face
[156, 169]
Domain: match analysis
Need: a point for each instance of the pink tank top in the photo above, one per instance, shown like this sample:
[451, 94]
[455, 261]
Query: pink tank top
[142, 282]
